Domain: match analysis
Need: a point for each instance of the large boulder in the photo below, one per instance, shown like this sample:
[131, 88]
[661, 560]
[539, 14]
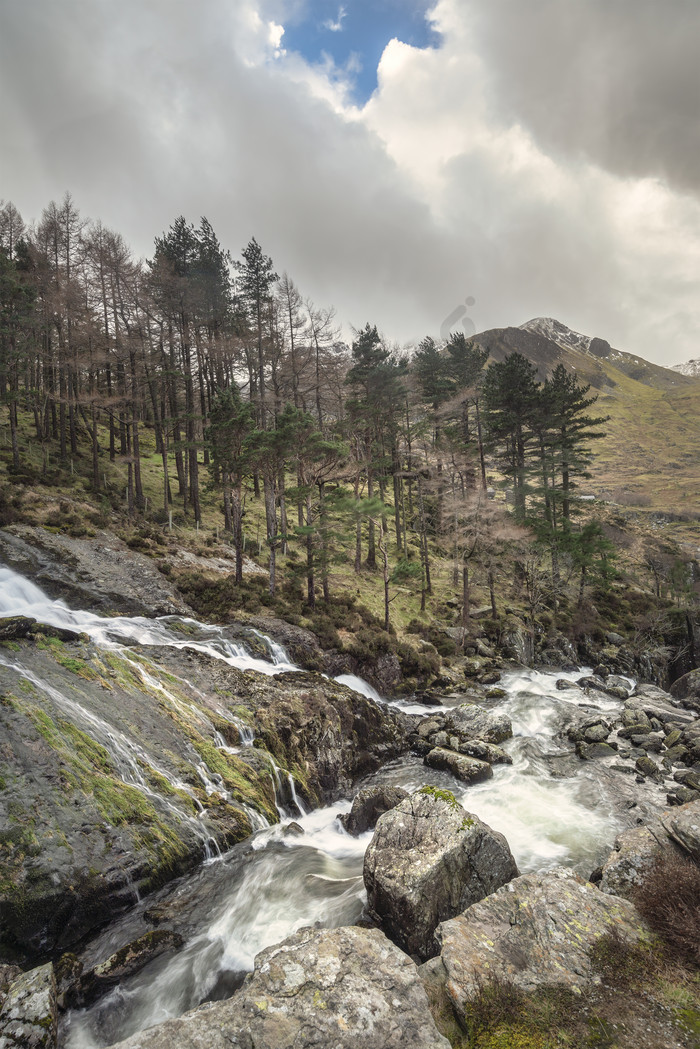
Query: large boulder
[683, 827]
[673, 833]
[469, 721]
[28, 1014]
[346, 988]
[686, 690]
[535, 932]
[427, 861]
[368, 805]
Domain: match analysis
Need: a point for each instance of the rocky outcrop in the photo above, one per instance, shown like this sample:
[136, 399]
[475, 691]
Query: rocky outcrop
[427, 861]
[123, 771]
[101, 574]
[535, 932]
[368, 805]
[347, 988]
[28, 1013]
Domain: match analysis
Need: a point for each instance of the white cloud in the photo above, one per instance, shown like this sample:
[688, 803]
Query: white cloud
[336, 25]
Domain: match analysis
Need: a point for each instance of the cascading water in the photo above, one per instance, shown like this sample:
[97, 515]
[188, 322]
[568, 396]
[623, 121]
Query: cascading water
[551, 807]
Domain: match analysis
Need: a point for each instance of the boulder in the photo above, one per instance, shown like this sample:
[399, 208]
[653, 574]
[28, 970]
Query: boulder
[686, 690]
[368, 805]
[464, 768]
[346, 988]
[119, 966]
[28, 1015]
[477, 748]
[683, 827]
[427, 861]
[473, 722]
[648, 768]
[632, 858]
[595, 729]
[535, 932]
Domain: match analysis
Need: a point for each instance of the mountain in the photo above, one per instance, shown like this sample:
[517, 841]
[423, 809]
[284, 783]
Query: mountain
[649, 456]
[691, 368]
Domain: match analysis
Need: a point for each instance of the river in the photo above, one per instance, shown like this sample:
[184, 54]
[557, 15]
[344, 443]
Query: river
[553, 809]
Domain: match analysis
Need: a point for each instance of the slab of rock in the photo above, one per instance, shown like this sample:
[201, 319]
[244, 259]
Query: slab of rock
[122, 964]
[427, 861]
[683, 826]
[341, 988]
[368, 805]
[28, 1016]
[535, 932]
[635, 853]
[473, 722]
[464, 768]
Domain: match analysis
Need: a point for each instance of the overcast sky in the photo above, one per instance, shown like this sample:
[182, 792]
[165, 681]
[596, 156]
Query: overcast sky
[402, 160]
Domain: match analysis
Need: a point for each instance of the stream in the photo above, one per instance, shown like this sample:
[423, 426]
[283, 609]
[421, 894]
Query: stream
[553, 809]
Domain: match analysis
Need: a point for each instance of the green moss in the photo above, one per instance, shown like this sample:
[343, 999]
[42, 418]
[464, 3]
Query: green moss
[77, 666]
[243, 782]
[441, 795]
[10, 646]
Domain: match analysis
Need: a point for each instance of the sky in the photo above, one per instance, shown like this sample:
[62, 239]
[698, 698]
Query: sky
[418, 164]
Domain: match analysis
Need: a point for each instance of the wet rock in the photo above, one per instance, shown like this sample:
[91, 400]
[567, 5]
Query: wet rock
[563, 685]
[682, 796]
[468, 770]
[348, 988]
[293, 830]
[477, 748]
[101, 573]
[595, 729]
[469, 721]
[368, 805]
[121, 965]
[301, 645]
[535, 932]
[648, 768]
[587, 751]
[28, 1015]
[427, 861]
[15, 627]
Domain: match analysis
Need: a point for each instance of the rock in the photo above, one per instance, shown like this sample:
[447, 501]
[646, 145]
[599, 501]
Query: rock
[686, 689]
[476, 748]
[342, 988]
[473, 722]
[368, 805]
[535, 932]
[650, 769]
[683, 827]
[466, 769]
[632, 858]
[614, 639]
[591, 730]
[101, 574]
[14, 627]
[563, 685]
[587, 751]
[427, 861]
[122, 964]
[29, 1016]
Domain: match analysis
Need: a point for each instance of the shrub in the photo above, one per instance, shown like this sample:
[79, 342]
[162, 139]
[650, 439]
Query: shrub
[669, 899]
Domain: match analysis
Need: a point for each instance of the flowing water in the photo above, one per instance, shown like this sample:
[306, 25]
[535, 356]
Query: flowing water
[552, 808]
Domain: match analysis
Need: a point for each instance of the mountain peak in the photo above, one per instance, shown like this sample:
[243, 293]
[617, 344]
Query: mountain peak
[691, 368]
[556, 332]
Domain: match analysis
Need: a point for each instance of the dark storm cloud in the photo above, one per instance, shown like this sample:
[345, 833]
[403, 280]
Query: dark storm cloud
[616, 81]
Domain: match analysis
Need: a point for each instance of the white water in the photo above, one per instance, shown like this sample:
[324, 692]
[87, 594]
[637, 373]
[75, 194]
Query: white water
[551, 807]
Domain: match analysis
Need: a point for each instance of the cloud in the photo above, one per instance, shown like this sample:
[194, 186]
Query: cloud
[336, 26]
[445, 185]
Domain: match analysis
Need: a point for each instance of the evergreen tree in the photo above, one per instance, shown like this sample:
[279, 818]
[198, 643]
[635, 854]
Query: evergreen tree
[510, 396]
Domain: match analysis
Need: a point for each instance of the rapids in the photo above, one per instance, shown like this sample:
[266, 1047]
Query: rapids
[552, 807]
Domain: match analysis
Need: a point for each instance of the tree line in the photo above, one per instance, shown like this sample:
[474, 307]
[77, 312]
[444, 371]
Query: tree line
[244, 384]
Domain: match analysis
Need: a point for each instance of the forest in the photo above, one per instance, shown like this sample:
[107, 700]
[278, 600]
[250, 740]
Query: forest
[245, 388]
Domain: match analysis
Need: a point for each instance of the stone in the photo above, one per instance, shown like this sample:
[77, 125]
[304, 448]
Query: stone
[686, 689]
[464, 768]
[124, 963]
[427, 861]
[563, 685]
[632, 858]
[650, 769]
[476, 748]
[29, 1015]
[368, 805]
[535, 932]
[470, 721]
[586, 751]
[683, 827]
[347, 988]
